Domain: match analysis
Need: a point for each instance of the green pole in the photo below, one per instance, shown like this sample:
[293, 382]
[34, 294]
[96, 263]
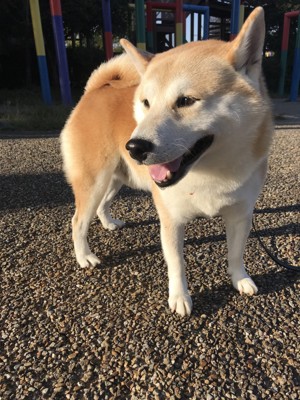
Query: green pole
[283, 62]
[140, 24]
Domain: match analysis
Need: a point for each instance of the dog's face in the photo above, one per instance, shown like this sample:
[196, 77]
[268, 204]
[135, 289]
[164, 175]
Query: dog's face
[196, 99]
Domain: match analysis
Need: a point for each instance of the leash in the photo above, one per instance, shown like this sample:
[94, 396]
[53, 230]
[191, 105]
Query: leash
[274, 257]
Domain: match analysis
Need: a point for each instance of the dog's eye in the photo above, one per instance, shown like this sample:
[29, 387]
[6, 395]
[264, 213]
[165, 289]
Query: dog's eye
[146, 103]
[185, 101]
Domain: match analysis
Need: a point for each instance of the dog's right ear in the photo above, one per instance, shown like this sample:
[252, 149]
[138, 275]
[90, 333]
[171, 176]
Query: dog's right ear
[140, 58]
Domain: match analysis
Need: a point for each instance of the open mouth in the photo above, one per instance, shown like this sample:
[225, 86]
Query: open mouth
[169, 173]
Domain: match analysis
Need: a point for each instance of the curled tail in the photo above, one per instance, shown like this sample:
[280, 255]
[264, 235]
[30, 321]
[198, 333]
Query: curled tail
[119, 72]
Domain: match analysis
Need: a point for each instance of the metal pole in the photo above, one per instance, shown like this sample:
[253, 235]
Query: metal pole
[140, 24]
[61, 55]
[234, 23]
[296, 66]
[107, 29]
[40, 50]
[284, 52]
[179, 22]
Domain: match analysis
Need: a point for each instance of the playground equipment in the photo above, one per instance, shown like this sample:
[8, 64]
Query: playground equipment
[284, 52]
[61, 56]
[140, 24]
[107, 28]
[179, 9]
[60, 48]
[40, 50]
[235, 19]
[55, 5]
[179, 16]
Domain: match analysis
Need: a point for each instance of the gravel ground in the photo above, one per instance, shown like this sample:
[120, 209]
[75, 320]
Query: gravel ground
[107, 332]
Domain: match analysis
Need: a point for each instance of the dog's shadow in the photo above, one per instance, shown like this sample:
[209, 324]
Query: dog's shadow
[209, 301]
[217, 297]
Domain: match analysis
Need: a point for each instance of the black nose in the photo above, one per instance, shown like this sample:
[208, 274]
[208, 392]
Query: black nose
[139, 149]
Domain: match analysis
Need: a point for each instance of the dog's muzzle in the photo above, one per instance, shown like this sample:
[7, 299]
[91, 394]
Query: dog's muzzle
[169, 173]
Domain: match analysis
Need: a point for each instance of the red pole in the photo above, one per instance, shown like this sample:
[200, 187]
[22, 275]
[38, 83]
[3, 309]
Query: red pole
[179, 22]
[286, 32]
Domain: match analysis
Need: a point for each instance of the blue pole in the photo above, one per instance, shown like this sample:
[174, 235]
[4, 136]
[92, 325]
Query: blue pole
[206, 24]
[296, 67]
[295, 76]
[61, 55]
[201, 10]
[235, 17]
[44, 78]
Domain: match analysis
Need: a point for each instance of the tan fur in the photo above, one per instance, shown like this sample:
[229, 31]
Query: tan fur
[94, 129]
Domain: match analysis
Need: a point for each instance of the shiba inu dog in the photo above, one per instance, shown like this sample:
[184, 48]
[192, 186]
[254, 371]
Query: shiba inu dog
[193, 126]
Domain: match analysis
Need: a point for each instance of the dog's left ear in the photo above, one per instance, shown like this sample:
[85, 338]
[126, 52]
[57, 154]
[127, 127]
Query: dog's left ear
[140, 58]
[247, 48]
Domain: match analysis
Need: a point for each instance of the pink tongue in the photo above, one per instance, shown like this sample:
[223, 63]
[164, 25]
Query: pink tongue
[159, 172]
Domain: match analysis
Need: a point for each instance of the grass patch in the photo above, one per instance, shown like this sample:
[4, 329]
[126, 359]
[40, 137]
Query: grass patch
[25, 110]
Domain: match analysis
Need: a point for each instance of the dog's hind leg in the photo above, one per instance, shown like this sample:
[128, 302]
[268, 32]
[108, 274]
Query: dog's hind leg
[103, 210]
[87, 198]
[237, 231]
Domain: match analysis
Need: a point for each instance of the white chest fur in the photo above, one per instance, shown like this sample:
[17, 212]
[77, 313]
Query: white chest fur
[206, 195]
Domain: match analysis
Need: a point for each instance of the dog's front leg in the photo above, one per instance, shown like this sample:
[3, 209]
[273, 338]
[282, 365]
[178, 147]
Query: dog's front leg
[172, 235]
[237, 231]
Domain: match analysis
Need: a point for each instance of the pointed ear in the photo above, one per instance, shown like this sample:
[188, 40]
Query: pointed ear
[247, 48]
[139, 57]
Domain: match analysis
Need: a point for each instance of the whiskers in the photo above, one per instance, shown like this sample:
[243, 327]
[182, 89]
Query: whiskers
[174, 150]
[180, 143]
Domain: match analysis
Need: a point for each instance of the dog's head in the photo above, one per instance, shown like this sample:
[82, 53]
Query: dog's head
[197, 99]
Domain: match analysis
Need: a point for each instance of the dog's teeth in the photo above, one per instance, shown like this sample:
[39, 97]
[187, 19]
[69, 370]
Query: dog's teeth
[169, 175]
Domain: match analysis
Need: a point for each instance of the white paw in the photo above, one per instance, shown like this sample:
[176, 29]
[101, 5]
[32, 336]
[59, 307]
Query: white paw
[181, 304]
[247, 286]
[88, 260]
[113, 224]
